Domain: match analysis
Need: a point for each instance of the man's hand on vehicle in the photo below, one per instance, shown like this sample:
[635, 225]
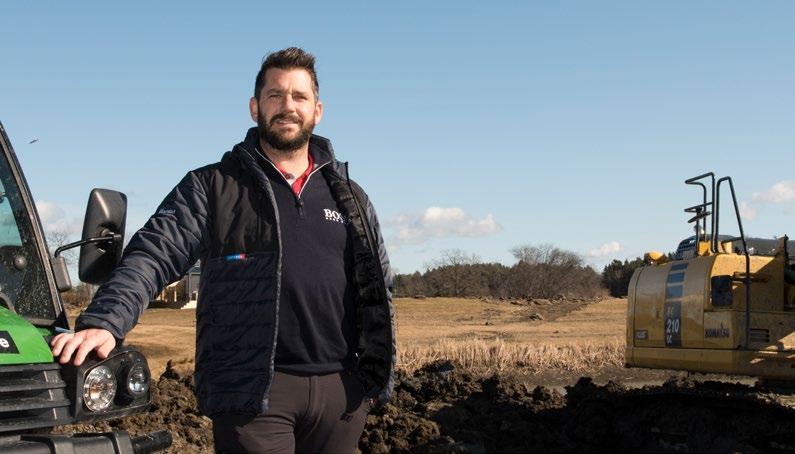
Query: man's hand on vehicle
[81, 344]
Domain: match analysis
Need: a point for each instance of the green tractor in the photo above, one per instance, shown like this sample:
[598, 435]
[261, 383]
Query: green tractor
[36, 392]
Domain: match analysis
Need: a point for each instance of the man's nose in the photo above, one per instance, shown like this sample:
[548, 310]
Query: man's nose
[288, 103]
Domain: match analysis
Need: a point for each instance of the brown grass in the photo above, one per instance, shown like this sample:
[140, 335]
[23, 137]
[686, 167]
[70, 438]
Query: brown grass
[487, 336]
[498, 355]
[430, 320]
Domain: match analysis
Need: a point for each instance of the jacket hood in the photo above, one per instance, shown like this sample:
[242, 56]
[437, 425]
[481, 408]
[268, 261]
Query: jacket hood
[319, 146]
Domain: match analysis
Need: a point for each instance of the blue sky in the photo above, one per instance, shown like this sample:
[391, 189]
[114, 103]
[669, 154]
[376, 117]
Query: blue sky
[472, 125]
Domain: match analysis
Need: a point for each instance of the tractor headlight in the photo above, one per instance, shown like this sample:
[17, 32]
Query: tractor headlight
[116, 386]
[99, 388]
[137, 380]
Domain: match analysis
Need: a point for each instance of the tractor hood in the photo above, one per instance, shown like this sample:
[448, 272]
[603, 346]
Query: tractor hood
[21, 342]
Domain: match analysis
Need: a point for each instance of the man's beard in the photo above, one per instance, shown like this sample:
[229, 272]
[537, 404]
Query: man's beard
[280, 141]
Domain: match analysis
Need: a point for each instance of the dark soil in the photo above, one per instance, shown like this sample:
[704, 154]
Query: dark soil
[442, 409]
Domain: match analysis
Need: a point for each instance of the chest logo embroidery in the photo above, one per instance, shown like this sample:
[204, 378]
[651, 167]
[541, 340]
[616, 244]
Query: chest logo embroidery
[335, 216]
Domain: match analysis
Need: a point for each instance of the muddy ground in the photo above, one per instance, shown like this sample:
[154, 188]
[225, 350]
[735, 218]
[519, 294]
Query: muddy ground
[443, 409]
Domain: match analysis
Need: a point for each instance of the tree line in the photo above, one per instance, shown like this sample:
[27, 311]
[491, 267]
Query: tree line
[541, 271]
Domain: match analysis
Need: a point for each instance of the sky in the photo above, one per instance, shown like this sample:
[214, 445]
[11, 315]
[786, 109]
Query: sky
[478, 126]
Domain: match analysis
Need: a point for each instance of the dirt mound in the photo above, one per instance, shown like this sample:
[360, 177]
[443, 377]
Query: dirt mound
[444, 409]
[536, 309]
[441, 409]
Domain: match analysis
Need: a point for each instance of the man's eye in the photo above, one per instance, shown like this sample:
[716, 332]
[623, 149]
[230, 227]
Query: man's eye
[274, 95]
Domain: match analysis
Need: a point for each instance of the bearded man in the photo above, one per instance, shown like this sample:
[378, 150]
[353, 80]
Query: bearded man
[295, 340]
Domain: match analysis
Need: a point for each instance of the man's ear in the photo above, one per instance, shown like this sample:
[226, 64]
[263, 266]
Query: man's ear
[253, 107]
[318, 112]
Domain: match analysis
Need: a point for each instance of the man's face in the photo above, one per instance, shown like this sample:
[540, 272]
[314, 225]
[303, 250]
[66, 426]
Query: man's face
[287, 110]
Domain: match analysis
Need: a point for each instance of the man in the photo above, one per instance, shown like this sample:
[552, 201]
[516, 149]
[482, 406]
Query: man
[295, 338]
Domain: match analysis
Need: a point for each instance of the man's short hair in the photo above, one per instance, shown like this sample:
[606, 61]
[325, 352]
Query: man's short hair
[290, 58]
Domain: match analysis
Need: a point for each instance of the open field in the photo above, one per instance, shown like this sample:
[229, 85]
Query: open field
[532, 336]
[489, 333]
[425, 321]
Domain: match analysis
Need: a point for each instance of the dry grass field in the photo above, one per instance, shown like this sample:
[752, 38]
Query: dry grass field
[480, 334]
[497, 335]
[425, 321]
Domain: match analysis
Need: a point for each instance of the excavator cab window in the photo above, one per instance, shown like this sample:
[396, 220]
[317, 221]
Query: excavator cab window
[722, 295]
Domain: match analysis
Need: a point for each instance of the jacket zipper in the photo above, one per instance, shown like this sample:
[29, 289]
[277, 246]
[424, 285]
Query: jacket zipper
[265, 186]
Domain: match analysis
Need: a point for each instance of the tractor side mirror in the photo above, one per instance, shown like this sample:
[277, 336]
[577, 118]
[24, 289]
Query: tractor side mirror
[103, 235]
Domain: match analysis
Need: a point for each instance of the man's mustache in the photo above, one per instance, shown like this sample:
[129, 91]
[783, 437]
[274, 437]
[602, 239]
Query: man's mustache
[294, 118]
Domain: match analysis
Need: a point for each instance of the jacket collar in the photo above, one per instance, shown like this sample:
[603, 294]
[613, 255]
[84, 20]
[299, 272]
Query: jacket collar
[319, 146]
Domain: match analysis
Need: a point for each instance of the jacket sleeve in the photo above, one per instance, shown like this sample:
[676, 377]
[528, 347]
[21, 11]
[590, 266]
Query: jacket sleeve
[372, 218]
[165, 248]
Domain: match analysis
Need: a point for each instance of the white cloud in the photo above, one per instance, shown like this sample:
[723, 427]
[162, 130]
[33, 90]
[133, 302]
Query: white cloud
[606, 249]
[439, 222]
[747, 212]
[55, 219]
[781, 192]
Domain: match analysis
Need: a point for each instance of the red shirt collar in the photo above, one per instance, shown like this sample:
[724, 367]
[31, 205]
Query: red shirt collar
[300, 180]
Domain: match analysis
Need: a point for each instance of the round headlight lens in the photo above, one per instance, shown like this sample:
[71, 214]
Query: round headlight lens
[99, 389]
[137, 380]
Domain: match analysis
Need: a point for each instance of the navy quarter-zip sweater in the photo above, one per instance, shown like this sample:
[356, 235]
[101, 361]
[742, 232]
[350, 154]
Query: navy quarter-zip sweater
[317, 316]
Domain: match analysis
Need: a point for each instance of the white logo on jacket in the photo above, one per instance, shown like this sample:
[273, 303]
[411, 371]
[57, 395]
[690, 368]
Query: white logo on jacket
[335, 216]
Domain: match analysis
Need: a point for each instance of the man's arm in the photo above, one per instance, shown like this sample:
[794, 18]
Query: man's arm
[372, 218]
[158, 254]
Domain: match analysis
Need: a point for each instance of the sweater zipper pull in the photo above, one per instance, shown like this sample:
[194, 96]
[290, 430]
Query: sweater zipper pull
[300, 205]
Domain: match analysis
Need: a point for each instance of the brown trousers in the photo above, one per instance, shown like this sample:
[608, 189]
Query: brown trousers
[318, 413]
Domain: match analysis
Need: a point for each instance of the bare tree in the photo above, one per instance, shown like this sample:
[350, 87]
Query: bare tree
[455, 257]
[547, 271]
[545, 254]
[58, 238]
[80, 295]
[452, 272]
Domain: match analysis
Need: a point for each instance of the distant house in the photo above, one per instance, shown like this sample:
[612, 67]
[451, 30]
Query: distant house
[183, 293]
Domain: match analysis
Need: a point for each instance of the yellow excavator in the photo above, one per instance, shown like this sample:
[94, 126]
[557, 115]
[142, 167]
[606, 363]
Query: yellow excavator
[721, 305]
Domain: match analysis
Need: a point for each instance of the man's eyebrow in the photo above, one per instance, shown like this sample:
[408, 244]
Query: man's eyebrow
[280, 91]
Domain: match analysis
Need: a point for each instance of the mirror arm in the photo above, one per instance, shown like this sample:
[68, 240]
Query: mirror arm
[110, 237]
